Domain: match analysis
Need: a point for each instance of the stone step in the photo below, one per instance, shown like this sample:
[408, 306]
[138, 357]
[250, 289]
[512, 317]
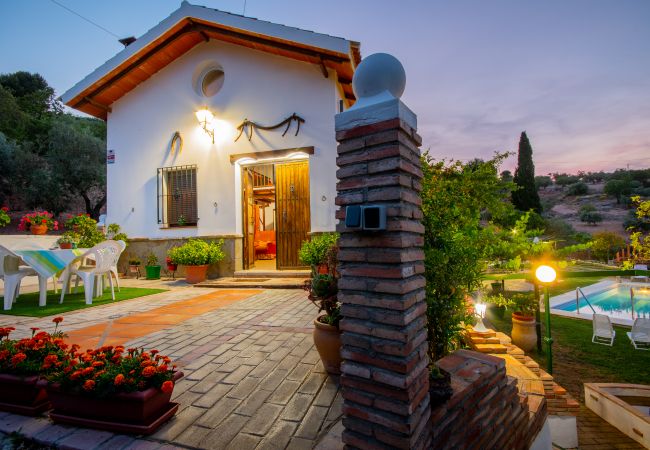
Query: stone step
[296, 273]
[254, 283]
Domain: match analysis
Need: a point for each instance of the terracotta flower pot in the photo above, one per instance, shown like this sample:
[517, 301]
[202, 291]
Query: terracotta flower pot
[323, 269]
[65, 245]
[196, 274]
[524, 334]
[38, 229]
[22, 395]
[327, 339]
[128, 412]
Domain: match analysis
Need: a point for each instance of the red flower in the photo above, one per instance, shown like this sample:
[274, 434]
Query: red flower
[148, 371]
[98, 364]
[167, 387]
[57, 319]
[163, 368]
[89, 385]
[5, 209]
[44, 221]
[119, 379]
[18, 358]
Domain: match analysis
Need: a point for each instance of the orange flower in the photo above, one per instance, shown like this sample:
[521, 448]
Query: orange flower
[57, 319]
[87, 371]
[18, 358]
[148, 371]
[167, 387]
[163, 368]
[98, 364]
[89, 385]
[119, 379]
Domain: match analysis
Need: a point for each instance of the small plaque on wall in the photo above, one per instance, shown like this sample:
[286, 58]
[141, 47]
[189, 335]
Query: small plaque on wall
[110, 156]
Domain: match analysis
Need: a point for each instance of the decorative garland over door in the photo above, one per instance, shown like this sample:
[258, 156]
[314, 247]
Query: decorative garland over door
[247, 126]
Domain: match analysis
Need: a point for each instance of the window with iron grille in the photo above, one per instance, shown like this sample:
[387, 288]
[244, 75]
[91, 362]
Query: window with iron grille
[177, 199]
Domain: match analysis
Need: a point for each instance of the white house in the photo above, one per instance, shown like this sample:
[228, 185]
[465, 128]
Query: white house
[174, 174]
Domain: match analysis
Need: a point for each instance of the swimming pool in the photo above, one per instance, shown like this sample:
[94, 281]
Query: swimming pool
[614, 302]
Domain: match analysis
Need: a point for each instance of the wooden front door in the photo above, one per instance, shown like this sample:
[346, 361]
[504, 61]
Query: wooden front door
[249, 218]
[293, 214]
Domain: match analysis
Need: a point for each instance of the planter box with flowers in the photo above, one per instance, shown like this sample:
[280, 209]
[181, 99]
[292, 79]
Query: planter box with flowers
[68, 240]
[196, 255]
[22, 363]
[114, 389]
[39, 222]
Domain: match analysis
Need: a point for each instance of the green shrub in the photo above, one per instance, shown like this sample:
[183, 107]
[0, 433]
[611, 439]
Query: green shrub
[152, 260]
[197, 252]
[319, 249]
[591, 217]
[579, 188]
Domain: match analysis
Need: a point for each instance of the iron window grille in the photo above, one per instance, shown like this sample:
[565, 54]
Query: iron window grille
[177, 196]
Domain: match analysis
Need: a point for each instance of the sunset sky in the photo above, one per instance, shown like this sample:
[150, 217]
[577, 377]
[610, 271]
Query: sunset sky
[575, 74]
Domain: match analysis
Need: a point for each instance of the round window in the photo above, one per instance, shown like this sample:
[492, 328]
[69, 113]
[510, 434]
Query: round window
[212, 82]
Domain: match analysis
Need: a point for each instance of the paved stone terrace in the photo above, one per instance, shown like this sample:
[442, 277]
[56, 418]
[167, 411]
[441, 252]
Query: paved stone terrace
[253, 378]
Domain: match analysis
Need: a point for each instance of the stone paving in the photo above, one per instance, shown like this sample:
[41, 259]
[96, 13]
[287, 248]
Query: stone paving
[253, 378]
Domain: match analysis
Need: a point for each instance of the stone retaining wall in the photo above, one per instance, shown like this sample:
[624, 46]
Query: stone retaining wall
[142, 247]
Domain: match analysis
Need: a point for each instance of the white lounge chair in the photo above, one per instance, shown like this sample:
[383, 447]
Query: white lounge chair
[640, 277]
[603, 331]
[640, 334]
[105, 255]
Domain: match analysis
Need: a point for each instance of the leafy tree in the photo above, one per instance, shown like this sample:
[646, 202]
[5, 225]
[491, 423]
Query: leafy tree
[543, 181]
[13, 121]
[87, 176]
[578, 188]
[565, 179]
[526, 197]
[454, 196]
[7, 153]
[591, 217]
[605, 245]
[640, 240]
[506, 176]
[618, 188]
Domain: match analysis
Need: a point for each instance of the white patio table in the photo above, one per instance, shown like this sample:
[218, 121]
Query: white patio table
[47, 263]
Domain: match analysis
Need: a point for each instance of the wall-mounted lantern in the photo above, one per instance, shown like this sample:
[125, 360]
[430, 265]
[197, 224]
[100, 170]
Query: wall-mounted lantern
[205, 118]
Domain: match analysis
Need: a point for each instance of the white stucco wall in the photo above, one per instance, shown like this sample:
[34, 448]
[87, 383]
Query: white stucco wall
[261, 87]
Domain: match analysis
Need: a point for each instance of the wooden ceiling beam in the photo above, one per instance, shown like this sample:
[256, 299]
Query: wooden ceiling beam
[98, 105]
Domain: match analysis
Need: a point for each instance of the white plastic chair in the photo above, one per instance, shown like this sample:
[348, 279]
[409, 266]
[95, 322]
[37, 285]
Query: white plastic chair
[640, 334]
[12, 274]
[121, 245]
[603, 331]
[105, 255]
[640, 277]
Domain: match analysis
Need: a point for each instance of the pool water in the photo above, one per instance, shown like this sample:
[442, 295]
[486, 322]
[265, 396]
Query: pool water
[614, 303]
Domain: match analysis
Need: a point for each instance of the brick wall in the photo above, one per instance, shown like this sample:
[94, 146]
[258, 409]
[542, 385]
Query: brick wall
[486, 411]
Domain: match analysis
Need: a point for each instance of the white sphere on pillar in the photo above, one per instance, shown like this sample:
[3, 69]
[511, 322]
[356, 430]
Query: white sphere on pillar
[378, 73]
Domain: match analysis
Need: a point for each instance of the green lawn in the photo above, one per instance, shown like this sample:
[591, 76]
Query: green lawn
[27, 304]
[570, 284]
[577, 360]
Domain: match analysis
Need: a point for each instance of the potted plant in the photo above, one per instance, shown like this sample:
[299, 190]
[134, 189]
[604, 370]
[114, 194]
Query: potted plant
[319, 253]
[4, 217]
[68, 240]
[499, 304]
[323, 290]
[74, 223]
[152, 268]
[196, 255]
[524, 334]
[170, 265]
[23, 362]
[38, 222]
[134, 266]
[113, 388]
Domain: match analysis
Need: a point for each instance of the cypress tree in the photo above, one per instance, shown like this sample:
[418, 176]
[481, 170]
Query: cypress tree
[525, 197]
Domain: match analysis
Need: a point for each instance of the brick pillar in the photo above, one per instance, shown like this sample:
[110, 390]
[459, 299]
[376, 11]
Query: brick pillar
[384, 377]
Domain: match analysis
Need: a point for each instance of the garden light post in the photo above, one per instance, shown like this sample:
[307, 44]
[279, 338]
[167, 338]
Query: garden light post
[546, 275]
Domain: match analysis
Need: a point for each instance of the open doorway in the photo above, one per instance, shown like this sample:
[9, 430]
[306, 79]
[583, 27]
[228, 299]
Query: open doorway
[276, 214]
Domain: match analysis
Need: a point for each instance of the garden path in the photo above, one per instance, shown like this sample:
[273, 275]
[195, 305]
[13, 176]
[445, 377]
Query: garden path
[253, 378]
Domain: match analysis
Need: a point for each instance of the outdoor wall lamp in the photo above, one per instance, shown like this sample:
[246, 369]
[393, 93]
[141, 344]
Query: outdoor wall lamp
[480, 308]
[547, 275]
[205, 118]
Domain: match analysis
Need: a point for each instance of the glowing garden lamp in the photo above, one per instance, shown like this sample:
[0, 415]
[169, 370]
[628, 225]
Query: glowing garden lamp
[205, 118]
[480, 308]
[546, 275]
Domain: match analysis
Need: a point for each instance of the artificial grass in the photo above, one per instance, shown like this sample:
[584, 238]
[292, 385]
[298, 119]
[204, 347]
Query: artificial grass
[577, 360]
[27, 304]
